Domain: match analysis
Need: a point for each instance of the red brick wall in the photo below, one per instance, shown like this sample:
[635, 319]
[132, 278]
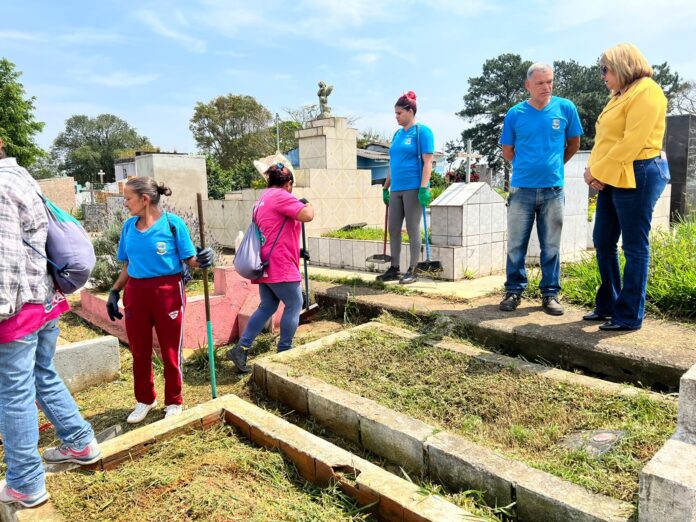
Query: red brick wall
[61, 191]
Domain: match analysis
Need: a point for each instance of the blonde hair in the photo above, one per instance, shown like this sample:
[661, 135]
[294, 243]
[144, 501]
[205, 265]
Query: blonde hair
[627, 63]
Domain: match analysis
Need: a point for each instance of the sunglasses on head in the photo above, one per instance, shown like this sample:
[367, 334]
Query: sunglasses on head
[603, 70]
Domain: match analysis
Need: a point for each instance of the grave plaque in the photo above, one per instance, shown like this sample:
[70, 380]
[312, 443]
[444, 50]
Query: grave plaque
[680, 146]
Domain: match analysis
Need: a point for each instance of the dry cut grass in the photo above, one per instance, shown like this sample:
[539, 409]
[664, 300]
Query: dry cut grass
[212, 476]
[523, 416]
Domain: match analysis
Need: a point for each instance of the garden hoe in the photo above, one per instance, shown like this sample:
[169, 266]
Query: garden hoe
[308, 311]
[383, 257]
[428, 267]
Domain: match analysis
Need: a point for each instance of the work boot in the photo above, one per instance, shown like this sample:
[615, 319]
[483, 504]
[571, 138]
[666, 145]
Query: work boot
[238, 355]
[510, 303]
[551, 305]
[390, 275]
[408, 278]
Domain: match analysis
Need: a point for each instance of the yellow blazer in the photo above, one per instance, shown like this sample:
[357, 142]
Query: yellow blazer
[631, 127]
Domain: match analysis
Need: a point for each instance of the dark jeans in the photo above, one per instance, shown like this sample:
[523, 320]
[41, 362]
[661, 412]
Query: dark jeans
[524, 206]
[627, 213]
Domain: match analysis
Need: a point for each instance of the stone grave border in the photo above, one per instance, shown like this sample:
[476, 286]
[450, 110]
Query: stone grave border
[391, 498]
[447, 458]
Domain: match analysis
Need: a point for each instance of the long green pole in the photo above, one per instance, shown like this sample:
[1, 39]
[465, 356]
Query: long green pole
[209, 324]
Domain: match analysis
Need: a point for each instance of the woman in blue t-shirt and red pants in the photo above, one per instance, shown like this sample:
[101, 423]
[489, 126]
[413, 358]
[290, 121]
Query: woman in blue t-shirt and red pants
[408, 177]
[153, 245]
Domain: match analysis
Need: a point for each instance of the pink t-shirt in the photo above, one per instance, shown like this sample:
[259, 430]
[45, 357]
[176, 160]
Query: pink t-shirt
[272, 208]
[31, 317]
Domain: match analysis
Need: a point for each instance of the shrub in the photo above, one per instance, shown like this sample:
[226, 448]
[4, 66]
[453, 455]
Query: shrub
[672, 273]
[107, 269]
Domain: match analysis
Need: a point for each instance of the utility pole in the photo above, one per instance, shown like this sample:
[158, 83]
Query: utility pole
[468, 161]
[277, 122]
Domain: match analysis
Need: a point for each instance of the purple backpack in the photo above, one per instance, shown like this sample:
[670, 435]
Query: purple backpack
[69, 251]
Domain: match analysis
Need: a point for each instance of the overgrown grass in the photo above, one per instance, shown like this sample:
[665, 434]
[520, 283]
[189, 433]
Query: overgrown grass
[75, 329]
[671, 290]
[524, 416]
[212, 475]
[365, 233]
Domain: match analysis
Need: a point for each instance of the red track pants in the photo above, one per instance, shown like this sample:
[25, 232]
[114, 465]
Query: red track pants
[158, 302]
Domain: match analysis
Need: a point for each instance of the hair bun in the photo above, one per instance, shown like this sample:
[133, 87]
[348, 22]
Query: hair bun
[162, 189]
[411, 95]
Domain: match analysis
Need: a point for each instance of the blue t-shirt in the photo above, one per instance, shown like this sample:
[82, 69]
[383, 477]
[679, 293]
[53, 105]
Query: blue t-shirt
[539, 138]
[155, 252]
[405, 166]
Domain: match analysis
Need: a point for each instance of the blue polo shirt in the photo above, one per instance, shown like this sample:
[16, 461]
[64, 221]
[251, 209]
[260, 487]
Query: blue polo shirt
[405, 166]
[539, 137]
[155, 252]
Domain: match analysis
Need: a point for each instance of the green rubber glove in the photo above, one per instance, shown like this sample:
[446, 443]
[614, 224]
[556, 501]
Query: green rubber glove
[385, 196]
[424, 196]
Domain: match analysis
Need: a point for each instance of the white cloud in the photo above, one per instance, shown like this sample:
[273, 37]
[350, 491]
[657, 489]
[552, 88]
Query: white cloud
[122, 79]
[154, 22]
[21, 36]
[89, 36]
[469, 8]
[369, 59]
[608, 16]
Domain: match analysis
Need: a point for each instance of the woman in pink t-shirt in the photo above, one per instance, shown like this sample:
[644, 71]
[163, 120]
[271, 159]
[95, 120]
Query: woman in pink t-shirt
[278, 215]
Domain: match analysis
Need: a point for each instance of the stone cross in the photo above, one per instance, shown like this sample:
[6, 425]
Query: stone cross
[101, 175]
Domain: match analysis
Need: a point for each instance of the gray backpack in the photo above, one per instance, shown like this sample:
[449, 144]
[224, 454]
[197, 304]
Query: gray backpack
[247, 259]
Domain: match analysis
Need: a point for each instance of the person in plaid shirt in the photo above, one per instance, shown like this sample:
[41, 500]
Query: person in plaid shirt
[30, 307]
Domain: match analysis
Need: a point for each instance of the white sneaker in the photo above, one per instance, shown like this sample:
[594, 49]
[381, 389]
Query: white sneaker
[140, 412]
[172, 410]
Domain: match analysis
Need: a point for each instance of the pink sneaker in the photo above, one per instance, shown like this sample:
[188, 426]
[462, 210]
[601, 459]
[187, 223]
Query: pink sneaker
[10, 496]
[63, 453]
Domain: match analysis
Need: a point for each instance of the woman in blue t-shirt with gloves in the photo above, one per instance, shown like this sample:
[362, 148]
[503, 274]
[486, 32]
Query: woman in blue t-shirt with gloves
[152, 247]
[408, 178]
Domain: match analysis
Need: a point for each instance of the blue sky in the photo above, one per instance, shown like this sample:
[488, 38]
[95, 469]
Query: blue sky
[149, 62]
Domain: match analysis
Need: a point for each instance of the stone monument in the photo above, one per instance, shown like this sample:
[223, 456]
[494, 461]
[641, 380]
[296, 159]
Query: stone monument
[323, 93]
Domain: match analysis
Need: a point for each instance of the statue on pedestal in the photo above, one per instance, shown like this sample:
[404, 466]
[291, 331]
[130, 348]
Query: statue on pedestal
[324, 92]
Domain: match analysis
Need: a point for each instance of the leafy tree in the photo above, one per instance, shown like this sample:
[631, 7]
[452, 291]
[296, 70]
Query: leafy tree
[46, 166]
[685, 101]
[673, 84]
[502, 85]
[367, 136]
[584, 87]
[17, 124]
[303, 114]
[90, 144]
[288, 141]
[487, 101]
[233, 129]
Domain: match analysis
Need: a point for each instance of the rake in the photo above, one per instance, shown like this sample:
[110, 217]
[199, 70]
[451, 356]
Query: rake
[428, 266]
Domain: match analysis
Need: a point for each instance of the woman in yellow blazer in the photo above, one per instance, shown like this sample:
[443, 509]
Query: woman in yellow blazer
[626, 168]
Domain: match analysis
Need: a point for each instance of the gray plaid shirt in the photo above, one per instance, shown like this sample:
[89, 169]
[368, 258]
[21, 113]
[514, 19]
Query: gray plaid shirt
[24, 276]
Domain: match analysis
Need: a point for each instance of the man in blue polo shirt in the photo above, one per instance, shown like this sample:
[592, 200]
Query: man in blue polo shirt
[539, 136]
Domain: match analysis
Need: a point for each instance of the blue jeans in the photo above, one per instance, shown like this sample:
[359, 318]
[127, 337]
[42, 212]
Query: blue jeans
[524, 205]
[27, 374]
[271, 296]
[627, 213]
